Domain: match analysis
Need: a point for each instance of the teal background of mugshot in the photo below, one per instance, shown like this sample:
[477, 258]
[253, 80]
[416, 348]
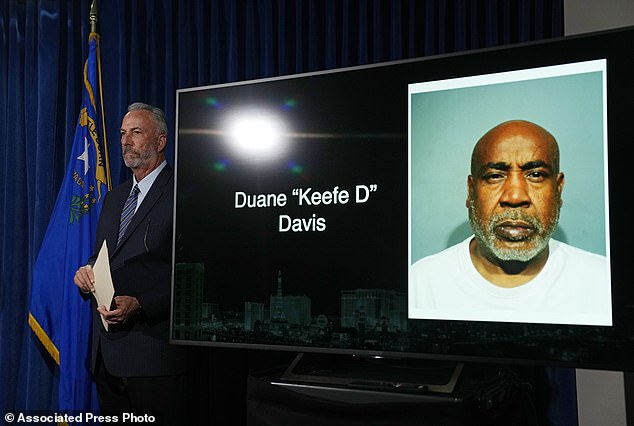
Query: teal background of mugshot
[446, 124]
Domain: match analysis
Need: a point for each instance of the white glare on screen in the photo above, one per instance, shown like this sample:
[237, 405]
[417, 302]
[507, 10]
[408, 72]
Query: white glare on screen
[256, 134]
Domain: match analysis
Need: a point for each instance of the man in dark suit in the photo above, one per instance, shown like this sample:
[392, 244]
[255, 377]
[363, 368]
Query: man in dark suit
[135, 367]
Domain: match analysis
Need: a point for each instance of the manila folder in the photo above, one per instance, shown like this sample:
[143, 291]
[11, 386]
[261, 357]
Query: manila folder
[104, 290]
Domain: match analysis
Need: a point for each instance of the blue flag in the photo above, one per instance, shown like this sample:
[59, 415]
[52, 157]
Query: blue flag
[59, 316]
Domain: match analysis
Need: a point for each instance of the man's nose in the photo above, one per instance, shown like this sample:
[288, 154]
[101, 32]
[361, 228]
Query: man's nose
[515, 191]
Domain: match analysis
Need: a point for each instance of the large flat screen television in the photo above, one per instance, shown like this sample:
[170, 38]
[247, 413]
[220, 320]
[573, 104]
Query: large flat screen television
[330, 212]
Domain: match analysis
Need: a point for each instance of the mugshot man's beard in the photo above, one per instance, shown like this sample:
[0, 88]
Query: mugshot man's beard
[530, 246]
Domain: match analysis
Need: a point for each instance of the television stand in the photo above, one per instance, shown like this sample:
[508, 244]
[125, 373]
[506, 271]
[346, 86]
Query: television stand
[335, 389]
[355, 372]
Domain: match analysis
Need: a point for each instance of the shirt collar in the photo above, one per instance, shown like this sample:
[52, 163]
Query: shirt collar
[146, 183]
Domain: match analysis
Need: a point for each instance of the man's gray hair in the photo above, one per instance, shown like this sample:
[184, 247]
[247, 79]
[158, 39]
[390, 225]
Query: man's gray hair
[157, 113]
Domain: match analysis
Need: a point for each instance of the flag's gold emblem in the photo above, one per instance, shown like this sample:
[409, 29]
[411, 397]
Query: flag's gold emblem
[81, 204]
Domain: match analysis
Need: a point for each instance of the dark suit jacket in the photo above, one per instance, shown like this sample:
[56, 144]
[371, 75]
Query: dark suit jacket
[142, 267]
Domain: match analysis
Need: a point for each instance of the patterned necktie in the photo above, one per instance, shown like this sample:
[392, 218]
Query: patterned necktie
[128, 211]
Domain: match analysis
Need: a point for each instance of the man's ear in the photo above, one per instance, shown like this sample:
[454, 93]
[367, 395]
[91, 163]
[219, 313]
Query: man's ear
[162, 143]
[560, 187]
[469, 190]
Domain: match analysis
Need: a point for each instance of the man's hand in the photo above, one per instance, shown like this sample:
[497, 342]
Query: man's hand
[125, 308]
[85, 279]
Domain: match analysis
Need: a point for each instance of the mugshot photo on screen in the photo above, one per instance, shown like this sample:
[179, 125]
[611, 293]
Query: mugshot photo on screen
[508, 197]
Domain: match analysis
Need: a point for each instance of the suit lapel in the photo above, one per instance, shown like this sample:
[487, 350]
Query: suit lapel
[155, 194]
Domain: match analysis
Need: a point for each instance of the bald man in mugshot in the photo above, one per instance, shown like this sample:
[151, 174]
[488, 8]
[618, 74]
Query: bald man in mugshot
[511, 269]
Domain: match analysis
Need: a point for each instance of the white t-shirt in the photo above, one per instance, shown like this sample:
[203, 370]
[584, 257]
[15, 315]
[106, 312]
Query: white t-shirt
[572, 288]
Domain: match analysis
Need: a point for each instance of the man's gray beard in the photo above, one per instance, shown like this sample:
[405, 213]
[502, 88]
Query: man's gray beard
[487, 240]
[137, 161]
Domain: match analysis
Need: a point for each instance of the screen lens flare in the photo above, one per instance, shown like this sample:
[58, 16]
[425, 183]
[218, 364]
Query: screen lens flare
[257, 134]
